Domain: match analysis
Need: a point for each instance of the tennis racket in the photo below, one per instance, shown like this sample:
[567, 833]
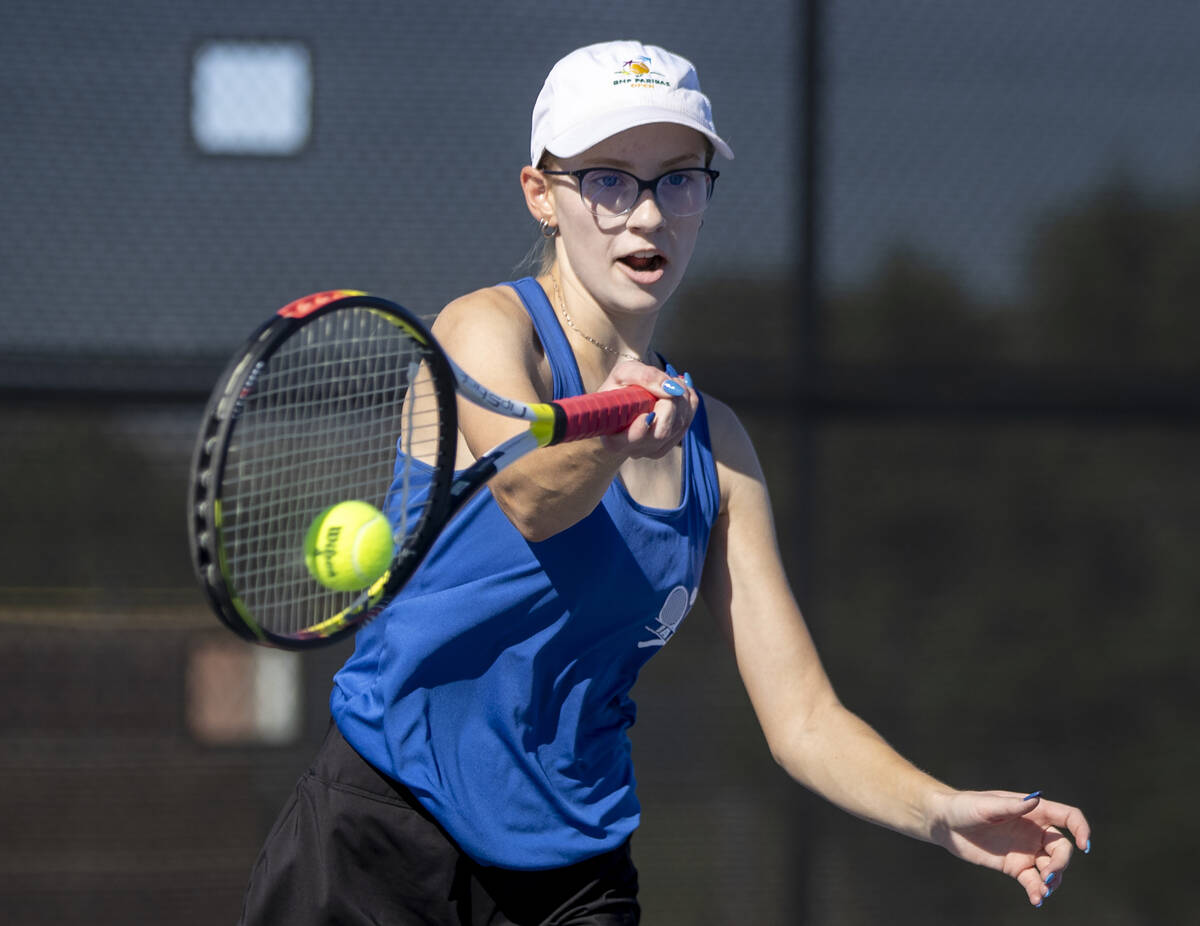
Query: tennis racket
[345, 396]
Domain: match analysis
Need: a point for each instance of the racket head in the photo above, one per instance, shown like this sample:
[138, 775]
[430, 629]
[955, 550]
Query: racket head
[312, 411]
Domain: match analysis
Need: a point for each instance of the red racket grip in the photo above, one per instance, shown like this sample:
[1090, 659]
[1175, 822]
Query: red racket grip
[597, 413]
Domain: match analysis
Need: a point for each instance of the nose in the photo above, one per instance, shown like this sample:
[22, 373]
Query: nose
[646, 215]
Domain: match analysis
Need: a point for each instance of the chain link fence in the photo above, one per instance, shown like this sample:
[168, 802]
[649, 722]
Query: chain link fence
[985, 485]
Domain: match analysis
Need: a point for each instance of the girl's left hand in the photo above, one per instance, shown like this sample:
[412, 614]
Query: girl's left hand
[1023, 836]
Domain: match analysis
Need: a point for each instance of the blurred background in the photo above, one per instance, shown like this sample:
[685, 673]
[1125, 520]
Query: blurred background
[951, 283]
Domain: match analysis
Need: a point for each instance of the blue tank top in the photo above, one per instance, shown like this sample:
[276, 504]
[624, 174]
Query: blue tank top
[496, 687]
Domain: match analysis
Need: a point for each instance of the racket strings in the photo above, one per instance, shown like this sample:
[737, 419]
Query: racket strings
[319, 424]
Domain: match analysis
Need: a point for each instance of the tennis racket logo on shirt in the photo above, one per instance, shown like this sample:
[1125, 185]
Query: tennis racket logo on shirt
[674, 610]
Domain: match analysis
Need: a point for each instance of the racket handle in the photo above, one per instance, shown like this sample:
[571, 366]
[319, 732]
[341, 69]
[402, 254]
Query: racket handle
[597, 413]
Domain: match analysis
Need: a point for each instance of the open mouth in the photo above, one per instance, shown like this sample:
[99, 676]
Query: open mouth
[644, 262]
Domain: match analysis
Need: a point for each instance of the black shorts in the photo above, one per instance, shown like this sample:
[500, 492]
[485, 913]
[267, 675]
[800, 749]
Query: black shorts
[353, 846]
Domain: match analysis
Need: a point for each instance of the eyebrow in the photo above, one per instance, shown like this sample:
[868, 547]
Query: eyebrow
[682, 158]
[669, 163]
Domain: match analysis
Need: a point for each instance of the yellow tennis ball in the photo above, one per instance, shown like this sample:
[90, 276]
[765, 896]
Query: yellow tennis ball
[348, 546]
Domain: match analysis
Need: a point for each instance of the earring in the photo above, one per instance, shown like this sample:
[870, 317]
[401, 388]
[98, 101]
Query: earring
[548, 230]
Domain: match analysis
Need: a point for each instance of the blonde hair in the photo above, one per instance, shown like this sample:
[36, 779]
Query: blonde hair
[547, 256]
[545, 248]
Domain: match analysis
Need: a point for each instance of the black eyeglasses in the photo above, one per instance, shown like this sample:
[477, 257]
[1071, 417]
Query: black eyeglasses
[608, 192]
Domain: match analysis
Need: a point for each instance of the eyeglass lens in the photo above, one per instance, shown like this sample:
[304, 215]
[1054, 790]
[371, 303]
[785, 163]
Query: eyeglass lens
[614, 192]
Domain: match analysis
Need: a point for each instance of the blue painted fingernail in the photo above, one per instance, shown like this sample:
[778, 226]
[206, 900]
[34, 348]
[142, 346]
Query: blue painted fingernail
[671, 371]
[670, 387]
[687, 378]
[1030, 797]
[1087, 850]
[1050, 877]
[650, 419]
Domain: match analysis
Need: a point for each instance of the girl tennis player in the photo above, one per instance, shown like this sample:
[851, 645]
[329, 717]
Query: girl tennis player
[478, 770]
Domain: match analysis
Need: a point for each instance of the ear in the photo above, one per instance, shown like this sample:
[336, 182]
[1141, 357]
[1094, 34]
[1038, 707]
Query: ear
[537, 195]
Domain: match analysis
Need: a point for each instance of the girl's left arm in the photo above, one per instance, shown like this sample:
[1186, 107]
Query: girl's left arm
[813, 736]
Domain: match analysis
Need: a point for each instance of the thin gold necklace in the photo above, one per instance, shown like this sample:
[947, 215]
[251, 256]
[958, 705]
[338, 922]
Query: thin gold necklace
[562, 308]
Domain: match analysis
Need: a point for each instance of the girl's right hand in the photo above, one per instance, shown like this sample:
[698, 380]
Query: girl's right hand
[654, 434]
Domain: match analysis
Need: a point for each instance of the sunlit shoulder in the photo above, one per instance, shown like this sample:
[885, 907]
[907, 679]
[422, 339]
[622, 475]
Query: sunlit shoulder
[489, 334]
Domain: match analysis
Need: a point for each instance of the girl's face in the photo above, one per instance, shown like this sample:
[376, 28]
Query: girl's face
[628, 263]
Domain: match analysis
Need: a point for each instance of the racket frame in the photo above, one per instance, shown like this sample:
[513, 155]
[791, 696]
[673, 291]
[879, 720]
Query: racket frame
[208, 470]
[550, 423]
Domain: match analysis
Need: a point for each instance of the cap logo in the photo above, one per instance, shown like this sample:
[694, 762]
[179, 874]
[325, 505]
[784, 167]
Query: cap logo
[636, 72]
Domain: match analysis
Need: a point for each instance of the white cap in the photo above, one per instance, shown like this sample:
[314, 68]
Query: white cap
[595, 92]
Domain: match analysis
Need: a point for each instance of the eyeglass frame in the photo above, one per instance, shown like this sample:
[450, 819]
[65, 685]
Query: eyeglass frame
[642, 186]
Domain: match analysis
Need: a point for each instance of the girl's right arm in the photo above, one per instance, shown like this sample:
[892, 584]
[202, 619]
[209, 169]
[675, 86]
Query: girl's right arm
[489, 334]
